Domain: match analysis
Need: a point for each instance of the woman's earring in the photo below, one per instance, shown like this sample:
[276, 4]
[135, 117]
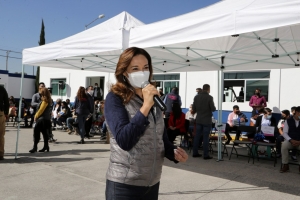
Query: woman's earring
[124, 79]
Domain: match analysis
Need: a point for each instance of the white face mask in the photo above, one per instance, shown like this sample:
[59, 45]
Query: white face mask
[91, 92]
[137, 78]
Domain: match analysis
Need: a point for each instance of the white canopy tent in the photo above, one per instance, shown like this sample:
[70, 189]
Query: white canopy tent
[97, 48]
[229, 35]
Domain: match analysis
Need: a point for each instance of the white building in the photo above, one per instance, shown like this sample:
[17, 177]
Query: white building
[278, 86]
[12, 83]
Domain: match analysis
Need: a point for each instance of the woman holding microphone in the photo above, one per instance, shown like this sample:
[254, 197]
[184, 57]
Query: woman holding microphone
[138, 137]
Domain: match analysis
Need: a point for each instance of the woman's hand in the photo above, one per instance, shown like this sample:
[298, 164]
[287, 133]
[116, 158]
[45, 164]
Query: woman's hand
[180, 155]
[148, 92]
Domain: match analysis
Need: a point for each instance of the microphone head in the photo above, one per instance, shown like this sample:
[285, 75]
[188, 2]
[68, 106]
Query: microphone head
[145, 83]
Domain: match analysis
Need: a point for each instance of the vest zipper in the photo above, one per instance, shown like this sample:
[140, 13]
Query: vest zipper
[154, 162]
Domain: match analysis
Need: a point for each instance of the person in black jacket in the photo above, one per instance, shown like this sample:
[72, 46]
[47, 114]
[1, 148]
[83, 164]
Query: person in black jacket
[4, 107]
[83, 105]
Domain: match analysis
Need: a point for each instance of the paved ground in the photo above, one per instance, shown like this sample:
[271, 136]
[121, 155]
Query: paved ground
[73, 171]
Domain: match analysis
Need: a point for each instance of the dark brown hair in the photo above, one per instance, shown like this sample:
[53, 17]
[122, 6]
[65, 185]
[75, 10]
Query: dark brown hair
[46, 96]
[81, 95]
[123, 88]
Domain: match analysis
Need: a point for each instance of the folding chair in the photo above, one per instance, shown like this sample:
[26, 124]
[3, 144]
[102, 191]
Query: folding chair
[247, 143]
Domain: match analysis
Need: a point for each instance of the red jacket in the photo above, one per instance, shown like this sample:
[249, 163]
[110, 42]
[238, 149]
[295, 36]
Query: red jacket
[180, 123]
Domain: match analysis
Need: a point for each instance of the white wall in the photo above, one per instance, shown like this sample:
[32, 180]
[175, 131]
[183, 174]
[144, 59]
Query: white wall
[290, 88]
[283, 86]
[74, 79]
[13, 85]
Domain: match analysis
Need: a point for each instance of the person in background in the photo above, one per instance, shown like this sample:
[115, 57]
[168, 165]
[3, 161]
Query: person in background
[241, 94]
[294, 151]
[56, 109]
[293, 109]
[204, 107]
[42, 120]
[176, 122]
[69, 103]
[29, 115]
[190, 115]
[4, 107]
[12, 99]
[65, 113]
[89, 120]
[83, 107]
[291, 134]
[285, 114]
[97, 93]
[235, 119]
[36, 98]
[267, 119]
[131, 115]
[170, 99]
[257, 100]
[162, 95]
[198, 91]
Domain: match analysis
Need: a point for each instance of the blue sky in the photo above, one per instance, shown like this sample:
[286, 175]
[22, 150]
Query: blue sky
[20, 20]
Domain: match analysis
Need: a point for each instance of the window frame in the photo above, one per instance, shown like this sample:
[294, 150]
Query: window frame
[57, 81]
[250, 79]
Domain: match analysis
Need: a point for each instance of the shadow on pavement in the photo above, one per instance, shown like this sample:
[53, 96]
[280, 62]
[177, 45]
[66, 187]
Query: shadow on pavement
[262, 174]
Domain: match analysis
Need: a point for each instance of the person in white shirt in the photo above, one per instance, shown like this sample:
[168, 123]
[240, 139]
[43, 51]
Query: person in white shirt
[291, 134]
[285, 114]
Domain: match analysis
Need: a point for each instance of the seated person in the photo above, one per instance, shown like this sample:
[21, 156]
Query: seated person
[255, 113]
[285, 114]
[291, 134]
[70, 121]
[176, 122]
[235, 119]
[64, 113]
[29, 115]
[265, 120]
[55, 111]
[191, 116]
[12, 112]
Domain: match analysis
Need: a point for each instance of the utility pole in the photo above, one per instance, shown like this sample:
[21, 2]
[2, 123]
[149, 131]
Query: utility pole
[7, 53]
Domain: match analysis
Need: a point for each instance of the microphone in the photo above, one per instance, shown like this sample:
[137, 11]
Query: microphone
[156, 98]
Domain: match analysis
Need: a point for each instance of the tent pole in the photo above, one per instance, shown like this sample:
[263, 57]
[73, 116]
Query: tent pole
[220, 86]
[19, 112]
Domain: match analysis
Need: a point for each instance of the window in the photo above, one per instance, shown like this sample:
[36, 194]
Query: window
[241, 86]
[58, 87]
[166, 81]
[251, 85]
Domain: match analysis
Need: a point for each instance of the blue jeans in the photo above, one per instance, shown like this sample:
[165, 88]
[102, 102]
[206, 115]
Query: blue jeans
[120, 191]
[69, 121]
[104, 128]
[81, 124]
[202, 130]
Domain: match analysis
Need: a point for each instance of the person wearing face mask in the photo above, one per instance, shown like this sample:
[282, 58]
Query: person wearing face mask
[257, 100]
[235, 119]
[65, 113]
[138, 138]
[285, 114]
[266, 120]
[291, 134]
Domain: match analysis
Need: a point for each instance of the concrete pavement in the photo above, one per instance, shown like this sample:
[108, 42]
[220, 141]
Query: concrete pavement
[75, 171]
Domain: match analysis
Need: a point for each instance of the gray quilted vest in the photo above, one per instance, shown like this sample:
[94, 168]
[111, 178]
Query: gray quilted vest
[142, 165]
